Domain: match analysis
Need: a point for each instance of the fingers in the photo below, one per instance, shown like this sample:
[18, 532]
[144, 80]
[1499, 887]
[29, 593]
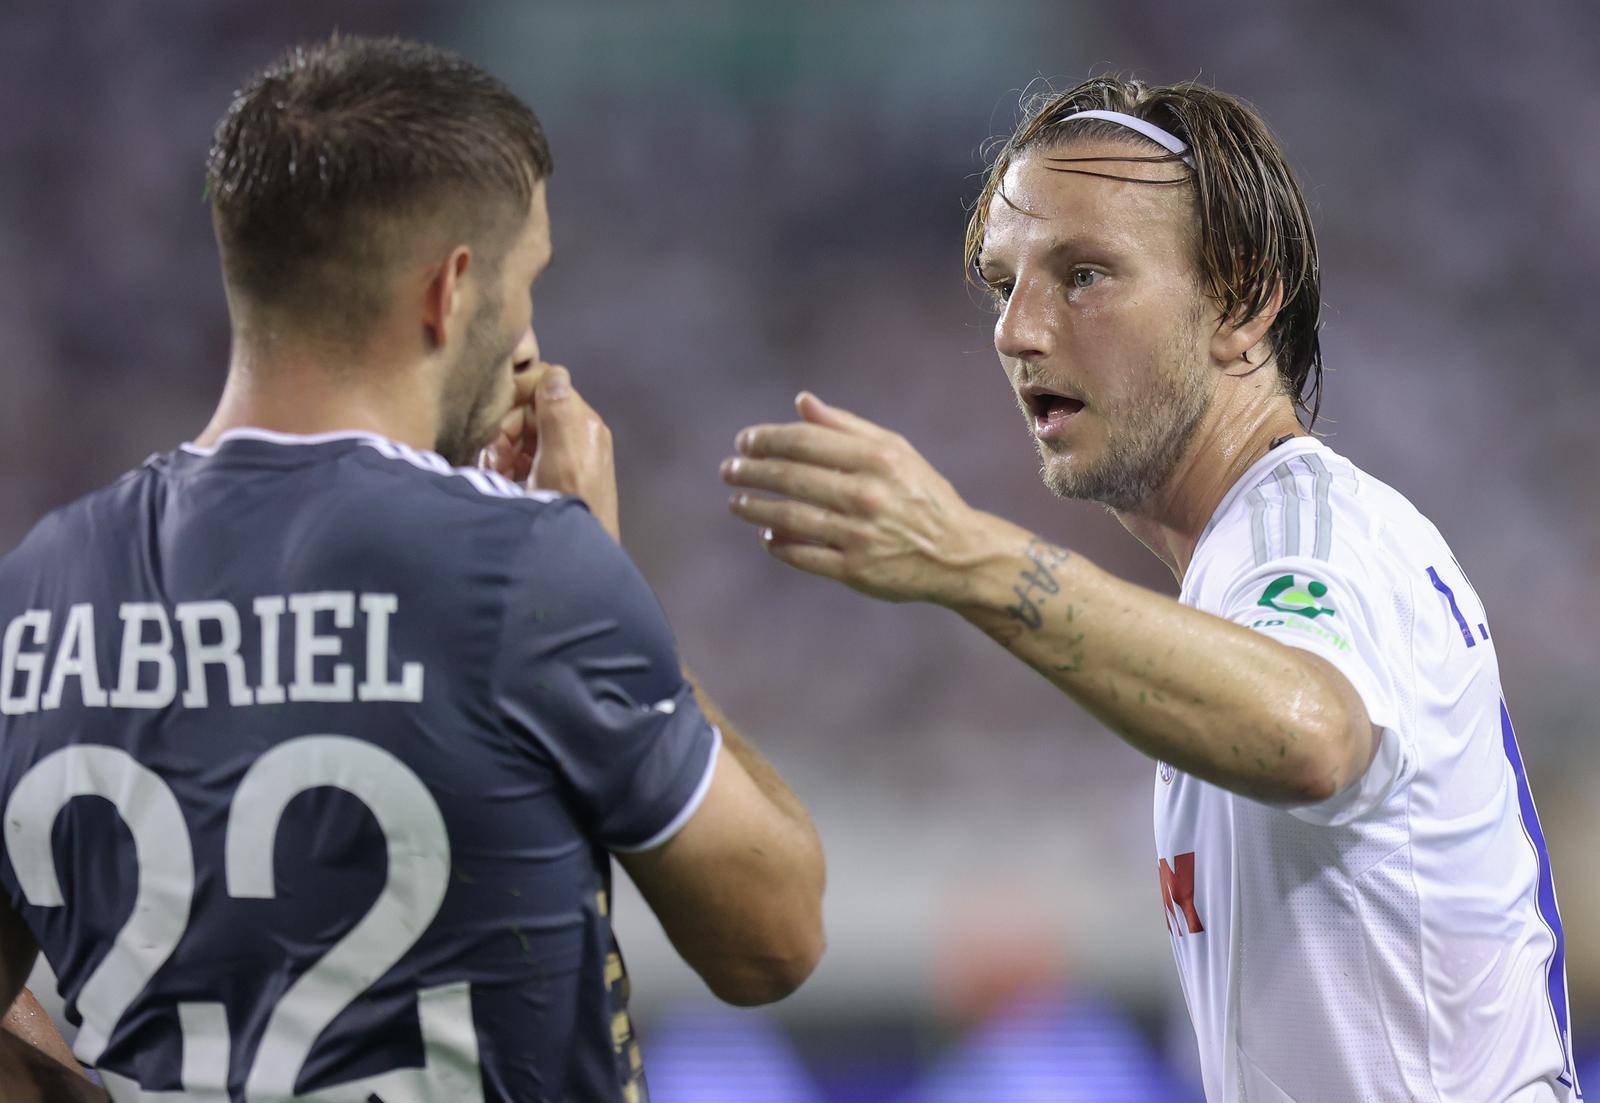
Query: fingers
[827, 436]
[794, 520]
[818, 485]
[815, 558]
[505, 457]
[573, 453]
[511, 452]
[814, 444]
[566, 426]
[818, 412]
[519, 428]
[559, 415]
[524, 380]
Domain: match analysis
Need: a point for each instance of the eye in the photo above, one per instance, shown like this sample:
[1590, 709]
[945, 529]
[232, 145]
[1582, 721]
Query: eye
[1085, 277]
[999, 295]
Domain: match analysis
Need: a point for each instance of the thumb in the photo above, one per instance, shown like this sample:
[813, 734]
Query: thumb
[554, 384]
[554, 405]
[567, 427]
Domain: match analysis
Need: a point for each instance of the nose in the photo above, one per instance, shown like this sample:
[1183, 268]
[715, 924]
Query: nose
[526, 353]
[1024, 329]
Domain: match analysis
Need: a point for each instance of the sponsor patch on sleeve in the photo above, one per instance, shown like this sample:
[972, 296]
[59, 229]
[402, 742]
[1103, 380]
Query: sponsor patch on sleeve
[1301, 603]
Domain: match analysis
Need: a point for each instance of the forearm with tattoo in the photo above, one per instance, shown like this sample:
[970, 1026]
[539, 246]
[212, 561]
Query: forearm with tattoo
[1214, 699]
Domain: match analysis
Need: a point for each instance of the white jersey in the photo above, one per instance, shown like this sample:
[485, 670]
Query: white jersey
[1399, 941]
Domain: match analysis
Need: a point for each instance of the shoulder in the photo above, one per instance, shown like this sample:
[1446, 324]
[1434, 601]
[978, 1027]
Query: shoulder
[1311, 509]
[431, 473]
[369, 502]
[461, 523]
[61, 534]
[1301, 506]
[1313, 504]
[384, 495]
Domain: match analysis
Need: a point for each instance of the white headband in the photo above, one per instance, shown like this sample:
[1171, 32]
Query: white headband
[1148, 129]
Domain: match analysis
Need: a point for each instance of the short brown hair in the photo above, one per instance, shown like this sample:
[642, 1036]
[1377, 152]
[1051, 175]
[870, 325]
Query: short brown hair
[1254, 228]
[332, 157]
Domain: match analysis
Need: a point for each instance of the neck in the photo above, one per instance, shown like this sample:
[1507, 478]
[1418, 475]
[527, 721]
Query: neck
[1231, 437]
[305, 392]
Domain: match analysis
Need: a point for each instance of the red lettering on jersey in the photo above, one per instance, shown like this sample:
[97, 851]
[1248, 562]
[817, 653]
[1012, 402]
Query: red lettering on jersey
[1177, 892]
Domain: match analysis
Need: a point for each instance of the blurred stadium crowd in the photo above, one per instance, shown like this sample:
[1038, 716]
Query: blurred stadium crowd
[753, 198]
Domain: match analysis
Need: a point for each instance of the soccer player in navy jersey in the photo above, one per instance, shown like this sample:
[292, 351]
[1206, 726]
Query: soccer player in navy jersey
[315, 739]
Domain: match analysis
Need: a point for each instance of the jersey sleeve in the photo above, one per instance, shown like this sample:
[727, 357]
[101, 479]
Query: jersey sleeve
[1330, 610]
[588, 672]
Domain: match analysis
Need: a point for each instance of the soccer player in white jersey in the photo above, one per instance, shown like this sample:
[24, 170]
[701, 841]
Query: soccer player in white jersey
[1353, 874]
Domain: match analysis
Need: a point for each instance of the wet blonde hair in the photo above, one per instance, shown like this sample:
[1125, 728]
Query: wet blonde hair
[1254, 232]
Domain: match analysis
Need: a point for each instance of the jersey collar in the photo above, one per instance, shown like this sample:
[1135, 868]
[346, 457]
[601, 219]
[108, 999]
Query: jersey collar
[270, 436]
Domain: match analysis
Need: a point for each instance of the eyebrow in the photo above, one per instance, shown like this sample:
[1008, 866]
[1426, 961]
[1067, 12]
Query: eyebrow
[1077, 243]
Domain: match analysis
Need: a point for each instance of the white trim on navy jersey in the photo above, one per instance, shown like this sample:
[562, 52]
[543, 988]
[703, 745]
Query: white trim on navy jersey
[690, 807]
[273, 436]
[488, 483]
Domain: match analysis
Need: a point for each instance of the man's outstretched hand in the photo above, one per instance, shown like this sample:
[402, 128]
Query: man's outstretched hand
[857, 503]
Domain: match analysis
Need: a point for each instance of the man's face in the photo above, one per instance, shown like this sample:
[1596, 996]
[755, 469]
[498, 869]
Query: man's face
[478, 385]
[1103, 327]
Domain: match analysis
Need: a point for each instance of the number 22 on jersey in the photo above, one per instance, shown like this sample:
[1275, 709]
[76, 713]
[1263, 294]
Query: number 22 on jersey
[418, 875]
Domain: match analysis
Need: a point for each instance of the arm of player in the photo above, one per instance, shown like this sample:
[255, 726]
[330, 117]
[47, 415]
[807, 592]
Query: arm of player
[35, 1063]
[1213, 698]
[739, 888]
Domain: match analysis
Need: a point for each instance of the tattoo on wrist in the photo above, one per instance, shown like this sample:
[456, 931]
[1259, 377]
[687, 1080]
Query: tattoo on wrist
[1037, 583]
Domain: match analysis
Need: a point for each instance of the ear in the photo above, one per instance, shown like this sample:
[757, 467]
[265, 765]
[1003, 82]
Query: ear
[1237, 336]
[441, 297]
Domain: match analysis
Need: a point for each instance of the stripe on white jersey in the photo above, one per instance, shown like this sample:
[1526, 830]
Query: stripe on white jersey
[1324, 483]
[1291, 509]
[1258, 524]
[1310, 535]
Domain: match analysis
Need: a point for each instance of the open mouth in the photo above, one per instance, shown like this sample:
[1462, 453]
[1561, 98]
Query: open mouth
[1050, 410]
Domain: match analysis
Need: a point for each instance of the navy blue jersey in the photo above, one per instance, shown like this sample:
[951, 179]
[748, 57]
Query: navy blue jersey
[312, 750]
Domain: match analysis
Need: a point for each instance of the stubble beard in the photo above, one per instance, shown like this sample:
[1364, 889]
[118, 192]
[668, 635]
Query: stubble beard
[1146, 439]
[467, 419]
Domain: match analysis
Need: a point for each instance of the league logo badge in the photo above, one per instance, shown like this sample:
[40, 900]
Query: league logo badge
[1285, 596]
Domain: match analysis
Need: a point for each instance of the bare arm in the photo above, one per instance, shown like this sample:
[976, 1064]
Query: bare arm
[739, 889]
[1214, 699]
[35, 1063]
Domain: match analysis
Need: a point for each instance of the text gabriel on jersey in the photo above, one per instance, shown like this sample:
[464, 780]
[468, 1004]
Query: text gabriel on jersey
[209, 632]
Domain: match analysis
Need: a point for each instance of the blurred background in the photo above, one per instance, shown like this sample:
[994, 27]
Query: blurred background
[751, 198]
